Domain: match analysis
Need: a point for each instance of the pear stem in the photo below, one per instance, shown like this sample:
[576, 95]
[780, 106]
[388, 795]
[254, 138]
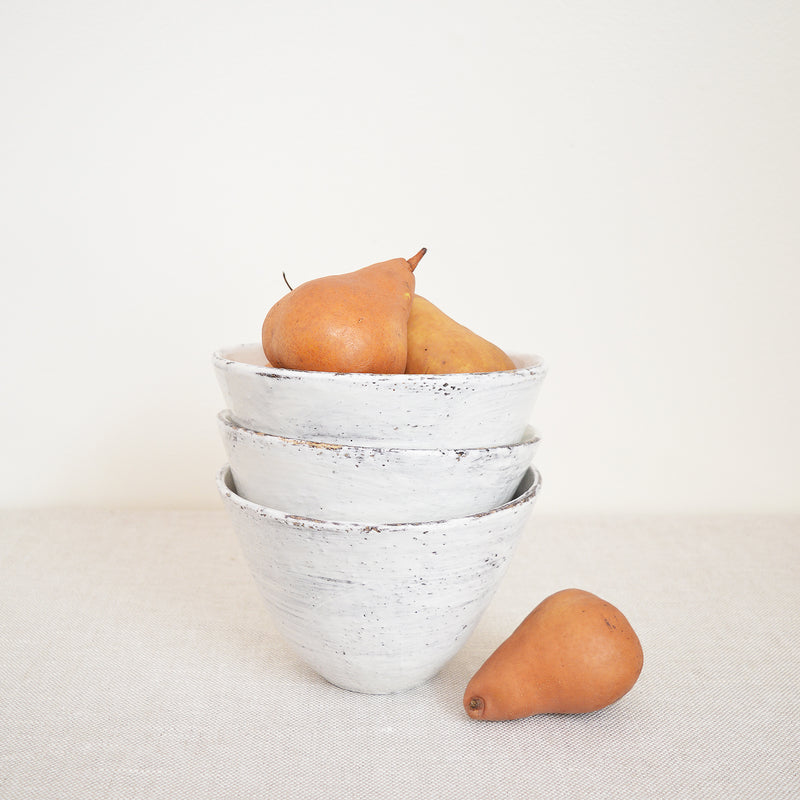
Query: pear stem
[287, 282]
[415, 259]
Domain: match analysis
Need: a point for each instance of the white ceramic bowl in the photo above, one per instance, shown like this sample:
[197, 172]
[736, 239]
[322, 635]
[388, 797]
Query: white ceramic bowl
[377, 608]
[456, 411]
[372, 484]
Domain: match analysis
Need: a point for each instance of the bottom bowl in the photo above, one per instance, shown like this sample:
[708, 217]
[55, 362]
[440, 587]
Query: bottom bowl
[377, 608]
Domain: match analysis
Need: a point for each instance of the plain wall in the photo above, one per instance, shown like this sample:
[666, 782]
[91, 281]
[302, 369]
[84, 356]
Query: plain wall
[615, 186]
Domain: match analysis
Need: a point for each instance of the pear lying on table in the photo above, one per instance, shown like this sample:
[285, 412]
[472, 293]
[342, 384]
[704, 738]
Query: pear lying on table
[353, 322]
[573, 654]
[437, 344]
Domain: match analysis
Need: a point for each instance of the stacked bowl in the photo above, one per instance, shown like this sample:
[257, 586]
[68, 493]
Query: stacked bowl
[377, 513]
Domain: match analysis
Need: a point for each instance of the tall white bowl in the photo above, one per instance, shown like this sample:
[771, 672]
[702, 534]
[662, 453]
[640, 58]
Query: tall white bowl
[455, 411]
[377, 608]
[372, 484]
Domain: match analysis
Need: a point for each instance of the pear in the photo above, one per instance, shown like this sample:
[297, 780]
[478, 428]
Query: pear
[353, 322]
[574, 653]
[438, 344]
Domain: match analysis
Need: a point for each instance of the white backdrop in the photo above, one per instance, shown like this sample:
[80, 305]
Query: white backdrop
[613, 185]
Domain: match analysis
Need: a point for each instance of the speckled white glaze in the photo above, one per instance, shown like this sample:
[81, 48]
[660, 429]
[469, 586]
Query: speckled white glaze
[372, 484]
[457, 411]
[377, 608]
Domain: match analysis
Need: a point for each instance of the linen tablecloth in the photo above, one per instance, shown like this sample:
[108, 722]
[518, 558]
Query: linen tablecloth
[137, 661]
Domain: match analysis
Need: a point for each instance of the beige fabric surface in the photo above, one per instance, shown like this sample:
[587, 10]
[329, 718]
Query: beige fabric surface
[137, 661]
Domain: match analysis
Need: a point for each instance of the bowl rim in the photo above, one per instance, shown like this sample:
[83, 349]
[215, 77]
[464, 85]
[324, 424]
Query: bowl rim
[225, 474]
[530, 438]
[222, 358]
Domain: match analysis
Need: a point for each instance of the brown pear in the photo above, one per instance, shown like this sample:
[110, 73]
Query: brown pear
[353, 322]
[573, 653]
[438, 344]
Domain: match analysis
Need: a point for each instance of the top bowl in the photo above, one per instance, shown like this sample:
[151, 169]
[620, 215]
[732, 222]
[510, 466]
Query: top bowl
[461, 410]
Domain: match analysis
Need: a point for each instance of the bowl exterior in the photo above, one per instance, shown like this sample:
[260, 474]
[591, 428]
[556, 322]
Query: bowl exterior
[371, 485]
[450, 411]
[377, 609]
